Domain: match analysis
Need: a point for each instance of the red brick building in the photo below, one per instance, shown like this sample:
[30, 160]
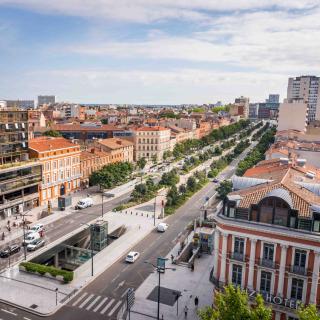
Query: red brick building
[267, 237]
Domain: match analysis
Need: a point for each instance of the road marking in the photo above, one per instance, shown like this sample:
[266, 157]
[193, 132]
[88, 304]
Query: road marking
[107, 306]
[86, 301]
[77, 301]
[125, 268]
[124, 293]
[25, 318]
[120, 284]
[99, 305]
[93, 302]
[115, 278]
[114, 308]
[4, 310]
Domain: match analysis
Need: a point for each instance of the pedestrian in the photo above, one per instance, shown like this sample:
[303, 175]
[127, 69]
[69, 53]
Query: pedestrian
[192, 267]
[172, 258]
[3, 236]
[185, 311]
[196, 301]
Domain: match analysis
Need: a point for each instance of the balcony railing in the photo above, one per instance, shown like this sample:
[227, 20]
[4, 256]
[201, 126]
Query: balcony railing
[267, 263]
[237, 256]
[300, 270]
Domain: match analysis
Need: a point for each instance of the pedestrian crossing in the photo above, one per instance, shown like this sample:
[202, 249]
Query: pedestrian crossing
[98, 304]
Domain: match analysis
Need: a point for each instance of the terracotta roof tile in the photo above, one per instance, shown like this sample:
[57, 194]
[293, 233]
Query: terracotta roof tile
[43, 144]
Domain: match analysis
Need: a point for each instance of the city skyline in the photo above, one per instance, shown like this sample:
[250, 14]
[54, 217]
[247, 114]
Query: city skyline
[155, 53]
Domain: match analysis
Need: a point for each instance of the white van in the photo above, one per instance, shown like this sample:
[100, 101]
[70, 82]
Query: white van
[162, 227]
[84, 203]
[30, 238]
[38, 227]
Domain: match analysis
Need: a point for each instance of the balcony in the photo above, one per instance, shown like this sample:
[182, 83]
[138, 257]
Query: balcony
[267, 263]
[237, 256]
[299, 270]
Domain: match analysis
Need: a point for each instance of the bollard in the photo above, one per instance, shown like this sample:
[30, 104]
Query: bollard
[141, 214]
[131, 212]
[147, 216]
[136, 213]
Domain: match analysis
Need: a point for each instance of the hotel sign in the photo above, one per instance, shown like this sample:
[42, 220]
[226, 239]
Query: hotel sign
[277, 300]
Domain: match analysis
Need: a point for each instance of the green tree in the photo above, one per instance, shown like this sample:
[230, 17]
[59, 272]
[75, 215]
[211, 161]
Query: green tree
[52, 133]
[182, 188]
[141, 163]
[154, 159]
[167, 154]
[224, 188]
[170, 178]
[191, 183]
[233, 304]
[309, 312]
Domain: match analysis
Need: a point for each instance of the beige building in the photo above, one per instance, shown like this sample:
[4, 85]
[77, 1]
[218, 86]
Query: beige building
[293, 115]
[306, 88]
[240, 107]
[60, 160]
[120, 150]
[151, 142]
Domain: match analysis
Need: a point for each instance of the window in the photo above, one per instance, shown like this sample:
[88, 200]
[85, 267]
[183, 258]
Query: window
[239, 245]
[268, 251]
[300, 257]
[296, 289]
[265, 282]
[54, 164]
[236, 275]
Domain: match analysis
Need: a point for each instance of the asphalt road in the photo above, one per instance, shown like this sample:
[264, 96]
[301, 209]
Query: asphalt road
[63, 226]
[103, 298]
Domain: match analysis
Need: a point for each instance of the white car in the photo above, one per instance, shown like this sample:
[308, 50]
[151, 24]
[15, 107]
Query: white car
[37, 228]
[132, 256]
[162, 227]
[84, 203]
[31, 237]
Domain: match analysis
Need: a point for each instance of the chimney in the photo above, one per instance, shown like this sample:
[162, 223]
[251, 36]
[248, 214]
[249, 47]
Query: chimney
[92, 150]
[119, 142]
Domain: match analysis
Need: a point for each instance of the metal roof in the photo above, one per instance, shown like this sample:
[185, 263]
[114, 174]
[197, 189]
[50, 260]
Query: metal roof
[282, 194]
[240, 183]
[313, 187]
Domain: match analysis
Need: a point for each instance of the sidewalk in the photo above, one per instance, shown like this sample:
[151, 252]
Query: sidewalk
[37, 294]
[194, 284]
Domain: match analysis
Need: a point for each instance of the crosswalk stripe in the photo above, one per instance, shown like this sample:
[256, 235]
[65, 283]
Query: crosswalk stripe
[78, 300]
[93, 303]
[107, 307]
[114, 308]
[100, 304]
[86, 301]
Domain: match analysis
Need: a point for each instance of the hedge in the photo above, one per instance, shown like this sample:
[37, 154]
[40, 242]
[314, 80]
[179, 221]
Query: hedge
[41, 269]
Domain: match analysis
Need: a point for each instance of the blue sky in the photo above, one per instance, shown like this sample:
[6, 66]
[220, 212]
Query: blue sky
[159, 51]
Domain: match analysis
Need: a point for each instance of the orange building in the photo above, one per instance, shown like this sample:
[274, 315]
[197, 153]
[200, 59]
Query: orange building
[92, 160]
[203, 130]
[60, 161]
[120, 150]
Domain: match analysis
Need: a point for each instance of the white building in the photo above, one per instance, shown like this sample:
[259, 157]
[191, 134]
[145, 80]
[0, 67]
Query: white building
[308, 89]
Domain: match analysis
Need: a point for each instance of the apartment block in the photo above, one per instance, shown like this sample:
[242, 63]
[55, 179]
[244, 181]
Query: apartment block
[306, 88]
[60, 160]
[19, 176]
[151, 142]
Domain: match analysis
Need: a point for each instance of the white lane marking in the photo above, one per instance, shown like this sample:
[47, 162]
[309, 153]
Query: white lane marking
[4, 310]
[125, 268]
[115, 278]
[99, 305]
[114, 308]
[78, 300]
[107, 306]
[93, 302]
[125, 292]
[86, 301]
[25, 318]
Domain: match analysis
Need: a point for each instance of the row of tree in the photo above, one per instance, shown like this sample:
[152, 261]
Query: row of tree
[111, 175]
[233, 303]
[257, 154]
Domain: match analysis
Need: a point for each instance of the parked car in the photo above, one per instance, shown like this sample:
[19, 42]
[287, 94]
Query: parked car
[132, 256]
[5, 253]
[84, 203]
[30, 238]
[215, 180]
[36, 244]
[162, 227]
[37, 228]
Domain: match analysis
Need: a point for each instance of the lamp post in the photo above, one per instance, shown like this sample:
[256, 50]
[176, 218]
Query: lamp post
[159, 269]
[102, 204]
[24, 215]
[91, 243]
[57, 296]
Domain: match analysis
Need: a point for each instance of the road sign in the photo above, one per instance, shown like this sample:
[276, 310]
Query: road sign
[161, 263]
[130, 298]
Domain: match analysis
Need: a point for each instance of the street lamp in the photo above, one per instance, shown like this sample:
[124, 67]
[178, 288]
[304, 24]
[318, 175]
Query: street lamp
[23, 215]
[57, 296]
[159, 269]
[91, 241]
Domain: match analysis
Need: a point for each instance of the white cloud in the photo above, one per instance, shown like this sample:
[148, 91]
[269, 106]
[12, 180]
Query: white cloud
[162, 87]
[151, 10]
